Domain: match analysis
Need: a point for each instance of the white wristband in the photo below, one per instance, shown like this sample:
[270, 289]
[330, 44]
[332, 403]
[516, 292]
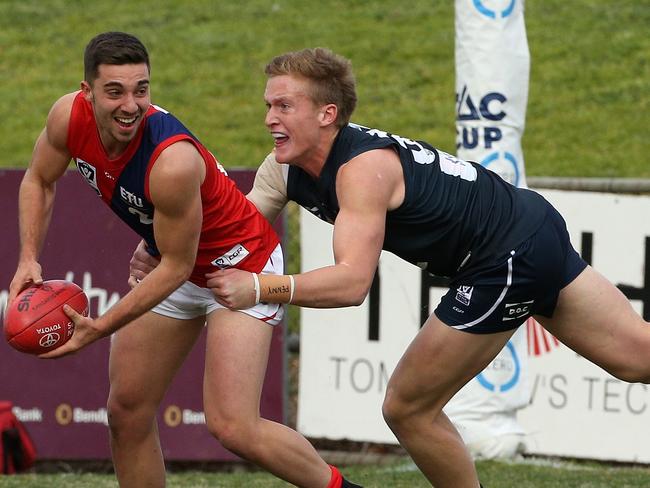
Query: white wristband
[256, 282]
[292, 284]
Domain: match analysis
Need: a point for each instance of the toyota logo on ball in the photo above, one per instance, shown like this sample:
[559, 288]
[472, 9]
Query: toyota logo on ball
[48, 340]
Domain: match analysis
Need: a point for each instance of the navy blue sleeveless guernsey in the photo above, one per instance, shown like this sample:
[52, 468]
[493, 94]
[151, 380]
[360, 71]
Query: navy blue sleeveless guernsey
[456, 215]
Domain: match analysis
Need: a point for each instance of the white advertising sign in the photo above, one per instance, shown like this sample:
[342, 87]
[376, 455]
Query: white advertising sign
[577, 410]
[492, 72]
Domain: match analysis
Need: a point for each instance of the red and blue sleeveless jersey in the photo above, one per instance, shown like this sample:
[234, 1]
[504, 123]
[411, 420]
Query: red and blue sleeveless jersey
[233, 233]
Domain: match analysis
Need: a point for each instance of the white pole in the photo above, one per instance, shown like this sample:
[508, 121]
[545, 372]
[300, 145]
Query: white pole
[492, 70]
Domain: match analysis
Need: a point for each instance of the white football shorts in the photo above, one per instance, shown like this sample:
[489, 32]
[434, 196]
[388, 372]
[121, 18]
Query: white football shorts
[189, 300]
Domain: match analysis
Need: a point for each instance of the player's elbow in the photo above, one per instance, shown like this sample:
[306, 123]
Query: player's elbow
[178, 272]
[185, 271]
[357, 293]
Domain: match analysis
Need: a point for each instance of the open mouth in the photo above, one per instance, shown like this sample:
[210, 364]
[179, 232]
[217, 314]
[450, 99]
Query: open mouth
[126, 122]
[279, 138]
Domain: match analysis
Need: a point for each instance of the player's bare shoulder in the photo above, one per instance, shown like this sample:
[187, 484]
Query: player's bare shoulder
[377, 169]
[178, 166]
[58, 120]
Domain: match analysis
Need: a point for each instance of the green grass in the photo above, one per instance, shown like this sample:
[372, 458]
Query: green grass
[494, 474]
[589, 100]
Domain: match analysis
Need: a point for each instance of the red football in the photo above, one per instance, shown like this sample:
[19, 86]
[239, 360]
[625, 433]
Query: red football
[35, 321]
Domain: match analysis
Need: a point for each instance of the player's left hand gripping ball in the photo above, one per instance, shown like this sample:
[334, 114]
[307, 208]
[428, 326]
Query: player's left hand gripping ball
[35, 322]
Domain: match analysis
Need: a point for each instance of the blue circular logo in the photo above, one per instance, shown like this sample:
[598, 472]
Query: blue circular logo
[505, 166]
[511, 382]
[491, 13]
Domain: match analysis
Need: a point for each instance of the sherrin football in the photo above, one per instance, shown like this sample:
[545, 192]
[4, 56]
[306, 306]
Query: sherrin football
[35, 321]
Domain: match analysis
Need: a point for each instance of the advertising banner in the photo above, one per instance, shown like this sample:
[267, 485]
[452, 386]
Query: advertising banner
[492, 73]
[576, 410]
[63, 402]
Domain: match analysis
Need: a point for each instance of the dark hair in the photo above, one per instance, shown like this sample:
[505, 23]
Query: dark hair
[332, 80]
[113, 48]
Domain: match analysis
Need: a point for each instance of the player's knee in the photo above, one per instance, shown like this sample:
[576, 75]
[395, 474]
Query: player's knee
[394, 409]
[405, 415]
[234, 434]
[128, 418]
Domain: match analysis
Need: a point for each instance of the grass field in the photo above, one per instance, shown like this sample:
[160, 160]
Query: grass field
[588, 115]
[494, 474]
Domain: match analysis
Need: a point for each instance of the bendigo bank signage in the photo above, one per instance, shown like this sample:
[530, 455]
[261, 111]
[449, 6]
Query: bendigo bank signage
[63, 402]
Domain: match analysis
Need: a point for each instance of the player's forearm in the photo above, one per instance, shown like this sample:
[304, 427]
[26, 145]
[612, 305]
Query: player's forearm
[270, 209]
[35, 203]
[328, 287]
[152, 290]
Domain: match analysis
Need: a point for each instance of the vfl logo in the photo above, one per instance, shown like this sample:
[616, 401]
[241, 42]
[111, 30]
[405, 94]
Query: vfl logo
[514, 311]
[232, 257]
[49, 340]
[464, 294]
[89, 172]
[509, 6]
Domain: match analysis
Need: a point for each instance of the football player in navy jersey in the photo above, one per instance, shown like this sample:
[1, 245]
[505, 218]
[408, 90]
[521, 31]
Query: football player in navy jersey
[139, 158]
[506, 251]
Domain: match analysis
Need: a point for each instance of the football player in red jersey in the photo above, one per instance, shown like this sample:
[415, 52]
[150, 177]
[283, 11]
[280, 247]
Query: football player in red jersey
[138, 158]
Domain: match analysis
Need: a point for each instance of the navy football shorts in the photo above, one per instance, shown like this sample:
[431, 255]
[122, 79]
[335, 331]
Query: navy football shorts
[526, 281]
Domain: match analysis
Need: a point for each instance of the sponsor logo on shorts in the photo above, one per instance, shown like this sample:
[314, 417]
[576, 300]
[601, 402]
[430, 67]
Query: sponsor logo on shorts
[232, 257]
[514, 311]
[464, 294]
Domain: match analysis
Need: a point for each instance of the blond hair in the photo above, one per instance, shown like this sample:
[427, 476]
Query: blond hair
[331, 77]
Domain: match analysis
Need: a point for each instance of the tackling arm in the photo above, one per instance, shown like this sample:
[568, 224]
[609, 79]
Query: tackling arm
[367, 187]
[269, 192]
[269, 195]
